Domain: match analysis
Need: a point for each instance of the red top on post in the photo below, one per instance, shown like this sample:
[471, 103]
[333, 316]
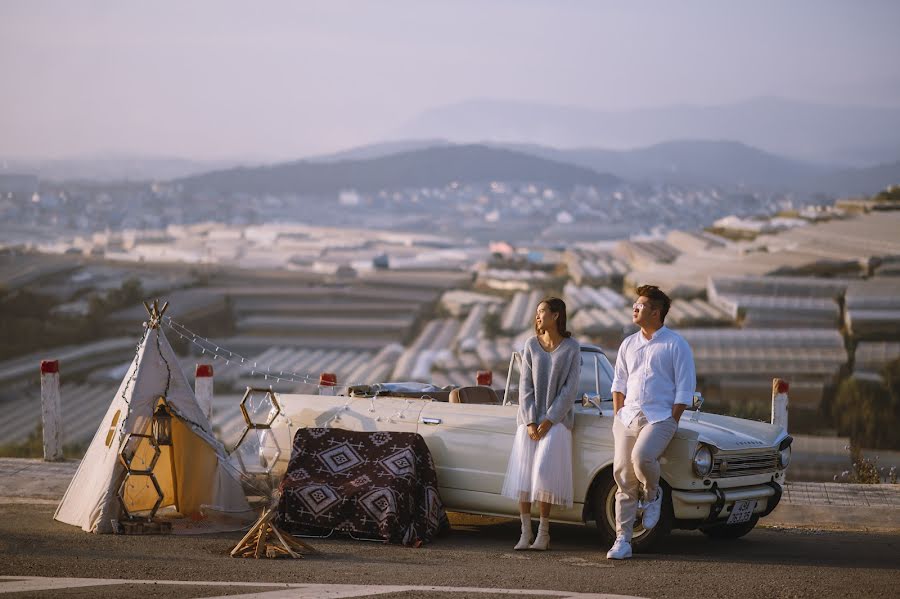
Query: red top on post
[49, 366]
[484, 377]
[204, 370]
[782, 387]
[328, 379]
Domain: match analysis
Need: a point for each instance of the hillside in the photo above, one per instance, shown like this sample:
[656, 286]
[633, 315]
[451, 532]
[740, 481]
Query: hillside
[690, 162]
[800, 130]
[430, 167]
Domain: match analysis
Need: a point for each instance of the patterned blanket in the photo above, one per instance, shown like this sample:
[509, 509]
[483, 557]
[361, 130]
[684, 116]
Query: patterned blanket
[376, 484]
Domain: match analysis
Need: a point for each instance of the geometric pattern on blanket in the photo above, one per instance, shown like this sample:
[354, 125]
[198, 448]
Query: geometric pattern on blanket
[374, 484]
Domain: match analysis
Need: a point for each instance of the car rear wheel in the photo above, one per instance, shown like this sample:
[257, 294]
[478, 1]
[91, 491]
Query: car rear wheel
[604, 506]
[730, 531]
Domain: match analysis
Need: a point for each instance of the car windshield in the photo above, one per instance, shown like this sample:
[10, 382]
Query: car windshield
[594, 366]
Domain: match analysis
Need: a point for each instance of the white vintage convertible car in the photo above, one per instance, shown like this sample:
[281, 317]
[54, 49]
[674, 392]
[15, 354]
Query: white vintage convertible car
[720, 474]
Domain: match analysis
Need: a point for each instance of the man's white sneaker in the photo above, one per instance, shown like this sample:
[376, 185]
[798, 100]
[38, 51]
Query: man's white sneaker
[652, 511]
[621, 549]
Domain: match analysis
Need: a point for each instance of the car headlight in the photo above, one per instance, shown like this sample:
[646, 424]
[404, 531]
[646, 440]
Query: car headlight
[703, 461]
[784, 457]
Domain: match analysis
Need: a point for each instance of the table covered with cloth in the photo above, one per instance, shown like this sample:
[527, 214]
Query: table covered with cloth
[376, 484]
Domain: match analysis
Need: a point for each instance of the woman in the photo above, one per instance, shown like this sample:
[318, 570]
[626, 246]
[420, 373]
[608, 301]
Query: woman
[540, 467]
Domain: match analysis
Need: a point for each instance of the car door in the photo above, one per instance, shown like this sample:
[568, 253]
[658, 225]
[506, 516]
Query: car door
[592, 435]
[470, 443]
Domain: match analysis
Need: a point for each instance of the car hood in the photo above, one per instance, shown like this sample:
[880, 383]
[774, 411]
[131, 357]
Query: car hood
[729, 433]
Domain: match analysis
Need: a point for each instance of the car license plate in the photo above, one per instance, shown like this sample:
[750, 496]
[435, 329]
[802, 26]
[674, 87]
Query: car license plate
[742, 511]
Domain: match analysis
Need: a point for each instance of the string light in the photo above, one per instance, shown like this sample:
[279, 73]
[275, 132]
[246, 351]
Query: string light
[215, 350]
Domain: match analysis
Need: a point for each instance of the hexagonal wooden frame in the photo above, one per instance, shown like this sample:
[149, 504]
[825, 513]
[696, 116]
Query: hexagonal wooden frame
[257, 426]
[127, 464]
[274, 461]
[129, 472]
[271, 395]
[159, 495]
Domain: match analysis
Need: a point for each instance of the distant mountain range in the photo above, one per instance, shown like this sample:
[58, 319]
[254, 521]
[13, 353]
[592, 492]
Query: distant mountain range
[426, 167]
[690, 162]
[436, 162]
[846, 135]
[769, 142]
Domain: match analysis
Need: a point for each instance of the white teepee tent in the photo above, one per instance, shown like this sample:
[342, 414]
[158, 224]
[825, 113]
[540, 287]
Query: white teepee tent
[190, 473]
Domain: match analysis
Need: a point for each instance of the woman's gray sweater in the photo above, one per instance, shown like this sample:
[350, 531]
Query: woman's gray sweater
[548, 386]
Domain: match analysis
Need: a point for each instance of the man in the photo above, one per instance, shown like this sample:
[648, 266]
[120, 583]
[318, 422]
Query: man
[653, 384]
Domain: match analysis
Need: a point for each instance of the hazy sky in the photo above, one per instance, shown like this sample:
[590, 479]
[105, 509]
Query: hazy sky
[275, 80]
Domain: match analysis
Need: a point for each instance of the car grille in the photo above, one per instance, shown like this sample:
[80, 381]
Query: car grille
[744, 464]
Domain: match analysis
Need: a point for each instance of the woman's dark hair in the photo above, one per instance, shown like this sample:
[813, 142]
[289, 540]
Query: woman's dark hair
[558, 307]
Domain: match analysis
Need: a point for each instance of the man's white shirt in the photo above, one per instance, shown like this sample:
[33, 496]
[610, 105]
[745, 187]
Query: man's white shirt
[654, 374]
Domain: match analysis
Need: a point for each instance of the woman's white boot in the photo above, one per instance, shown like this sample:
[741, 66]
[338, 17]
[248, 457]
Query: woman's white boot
[525, 540]
[542, 541]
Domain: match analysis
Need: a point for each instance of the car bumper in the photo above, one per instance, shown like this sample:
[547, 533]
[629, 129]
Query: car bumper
[716, 503]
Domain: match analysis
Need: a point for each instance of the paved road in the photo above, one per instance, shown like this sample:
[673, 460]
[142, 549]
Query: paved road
[477, 554]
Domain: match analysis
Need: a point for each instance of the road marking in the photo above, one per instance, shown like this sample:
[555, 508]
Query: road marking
[18, 584]
[21, 584]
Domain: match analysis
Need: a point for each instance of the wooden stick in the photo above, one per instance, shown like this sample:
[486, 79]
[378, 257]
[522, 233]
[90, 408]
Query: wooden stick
[260, 544]
[240, 546]
[287, 547]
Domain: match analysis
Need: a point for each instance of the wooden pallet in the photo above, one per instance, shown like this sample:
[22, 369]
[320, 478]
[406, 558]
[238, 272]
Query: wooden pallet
[143, 527]
[265, 539]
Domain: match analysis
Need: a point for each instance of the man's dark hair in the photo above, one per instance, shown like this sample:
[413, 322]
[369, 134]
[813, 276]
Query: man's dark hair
[658, 300]
[558, 307]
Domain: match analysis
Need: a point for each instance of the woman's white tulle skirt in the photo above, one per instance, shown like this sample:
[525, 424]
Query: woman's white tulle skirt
[541, 470]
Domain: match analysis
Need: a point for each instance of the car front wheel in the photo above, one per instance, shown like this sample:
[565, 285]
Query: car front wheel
[604, 505]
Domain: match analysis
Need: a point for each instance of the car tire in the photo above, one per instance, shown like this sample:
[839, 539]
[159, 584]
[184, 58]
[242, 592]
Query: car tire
[730, 531]
[603, 501]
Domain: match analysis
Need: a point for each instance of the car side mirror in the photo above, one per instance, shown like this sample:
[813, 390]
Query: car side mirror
[695, 405]
[698, 402]
[591, 399]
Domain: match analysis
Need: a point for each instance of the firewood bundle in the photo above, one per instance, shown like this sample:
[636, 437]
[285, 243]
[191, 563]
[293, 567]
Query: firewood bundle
[265, 539]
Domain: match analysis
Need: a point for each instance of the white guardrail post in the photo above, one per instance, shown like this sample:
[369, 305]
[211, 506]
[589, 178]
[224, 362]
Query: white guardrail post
[203, 388]
[51, 416]
[328, 383]
[780, 403]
